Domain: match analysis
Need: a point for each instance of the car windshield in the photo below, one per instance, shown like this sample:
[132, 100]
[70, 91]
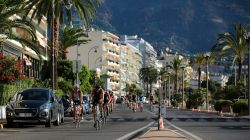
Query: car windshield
[35, 94]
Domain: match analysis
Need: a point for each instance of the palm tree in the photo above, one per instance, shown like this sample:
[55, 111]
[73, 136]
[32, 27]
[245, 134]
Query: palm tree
[71, 37]
[55, 8]
[144, 76]
[176, 67]
[199, 60]
[153, 76]
[233, 43]
[164, 76]
[8, 23]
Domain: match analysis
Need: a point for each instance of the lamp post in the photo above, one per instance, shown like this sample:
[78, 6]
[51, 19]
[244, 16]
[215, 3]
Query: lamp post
[183, 68]
[169, 88]
[159, 101]
[95, 47]
[247, 37]
[207, 55]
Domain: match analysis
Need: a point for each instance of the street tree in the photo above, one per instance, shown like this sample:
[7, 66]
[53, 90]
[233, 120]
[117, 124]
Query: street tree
[233, 43]
[53, 10]
[71, 37]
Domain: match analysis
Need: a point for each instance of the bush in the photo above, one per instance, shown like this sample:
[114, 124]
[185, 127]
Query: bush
[219, 104]
[240, 107]
[174, 103]
[65, 86]
[59, 92]
[10, 69]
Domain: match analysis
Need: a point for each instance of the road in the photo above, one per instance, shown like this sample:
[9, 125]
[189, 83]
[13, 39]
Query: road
[120, 123]
[205, 126]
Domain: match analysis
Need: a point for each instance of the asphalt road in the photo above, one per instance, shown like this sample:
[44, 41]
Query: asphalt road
[120, 123]
[205, 126]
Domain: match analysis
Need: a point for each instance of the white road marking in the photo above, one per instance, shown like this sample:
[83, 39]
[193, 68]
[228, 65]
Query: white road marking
[134, 132]
[184, 131]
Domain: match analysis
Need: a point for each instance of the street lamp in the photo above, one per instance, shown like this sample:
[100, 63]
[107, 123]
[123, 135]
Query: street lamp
[207, 55]
[247, 37]
[95, 47]
[183, 68]
[169, 88]
[159, 101]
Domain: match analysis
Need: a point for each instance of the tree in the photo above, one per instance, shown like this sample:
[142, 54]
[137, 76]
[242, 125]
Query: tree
[199, 60]
[39, 8]
[84, 77]
[71, 37]
[233, 43]
[8, 24]
[176, 64]
[145, 76]
[153, 77]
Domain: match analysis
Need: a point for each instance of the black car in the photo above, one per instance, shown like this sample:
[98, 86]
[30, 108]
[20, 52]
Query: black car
[36, 105]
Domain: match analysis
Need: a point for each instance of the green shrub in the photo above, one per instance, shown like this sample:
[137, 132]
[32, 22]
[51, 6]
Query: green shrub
[7, 91]
[219, 104]
[59, 92]
[174, 103]
[240, 107]
[65, 86]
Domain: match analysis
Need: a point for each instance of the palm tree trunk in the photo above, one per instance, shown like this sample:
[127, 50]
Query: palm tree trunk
[239, 70]
[147, 91]
[199, 78]
[56, 34]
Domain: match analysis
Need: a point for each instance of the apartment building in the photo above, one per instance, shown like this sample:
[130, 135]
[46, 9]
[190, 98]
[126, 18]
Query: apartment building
[102, 53]
[149, 55]
[31, 60]
[131, 65]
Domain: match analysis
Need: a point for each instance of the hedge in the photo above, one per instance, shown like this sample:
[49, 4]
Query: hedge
[219, 104]
[240, 107]
[8, 90]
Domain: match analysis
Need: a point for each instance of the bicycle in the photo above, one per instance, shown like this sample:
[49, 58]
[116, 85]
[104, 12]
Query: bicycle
[105, 113]
[99, 118]
[77, 115]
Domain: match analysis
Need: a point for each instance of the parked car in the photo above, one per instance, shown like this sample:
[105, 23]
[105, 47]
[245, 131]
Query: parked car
[68, 110]
[61, 108]
[36, 105]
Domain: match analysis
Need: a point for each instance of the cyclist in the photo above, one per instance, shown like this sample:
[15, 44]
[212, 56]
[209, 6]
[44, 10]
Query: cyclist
[141, 102]
[111, 101]
[134, 102]
[76, 96]
[106, 102]
[97, 99]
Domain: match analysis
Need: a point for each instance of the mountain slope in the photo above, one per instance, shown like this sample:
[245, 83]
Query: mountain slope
[187, 25]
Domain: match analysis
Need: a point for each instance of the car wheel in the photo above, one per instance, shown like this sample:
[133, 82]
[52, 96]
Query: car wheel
[57, 122]
[48, 123]
[62, 118]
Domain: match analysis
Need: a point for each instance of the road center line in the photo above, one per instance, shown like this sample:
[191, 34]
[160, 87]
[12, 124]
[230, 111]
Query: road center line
[182, 130]
[134, 132]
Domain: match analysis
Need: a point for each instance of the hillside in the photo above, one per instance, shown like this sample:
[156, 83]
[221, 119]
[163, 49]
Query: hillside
[187, 25]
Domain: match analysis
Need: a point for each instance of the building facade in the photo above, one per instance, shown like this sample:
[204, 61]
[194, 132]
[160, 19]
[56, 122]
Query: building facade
[30, 59]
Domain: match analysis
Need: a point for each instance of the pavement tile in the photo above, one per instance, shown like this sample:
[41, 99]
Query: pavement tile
[163, 134]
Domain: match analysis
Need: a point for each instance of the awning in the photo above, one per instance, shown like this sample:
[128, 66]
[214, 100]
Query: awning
[27, 61]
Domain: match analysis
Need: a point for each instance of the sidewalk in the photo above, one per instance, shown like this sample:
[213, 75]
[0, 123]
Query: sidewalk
[163, 134]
